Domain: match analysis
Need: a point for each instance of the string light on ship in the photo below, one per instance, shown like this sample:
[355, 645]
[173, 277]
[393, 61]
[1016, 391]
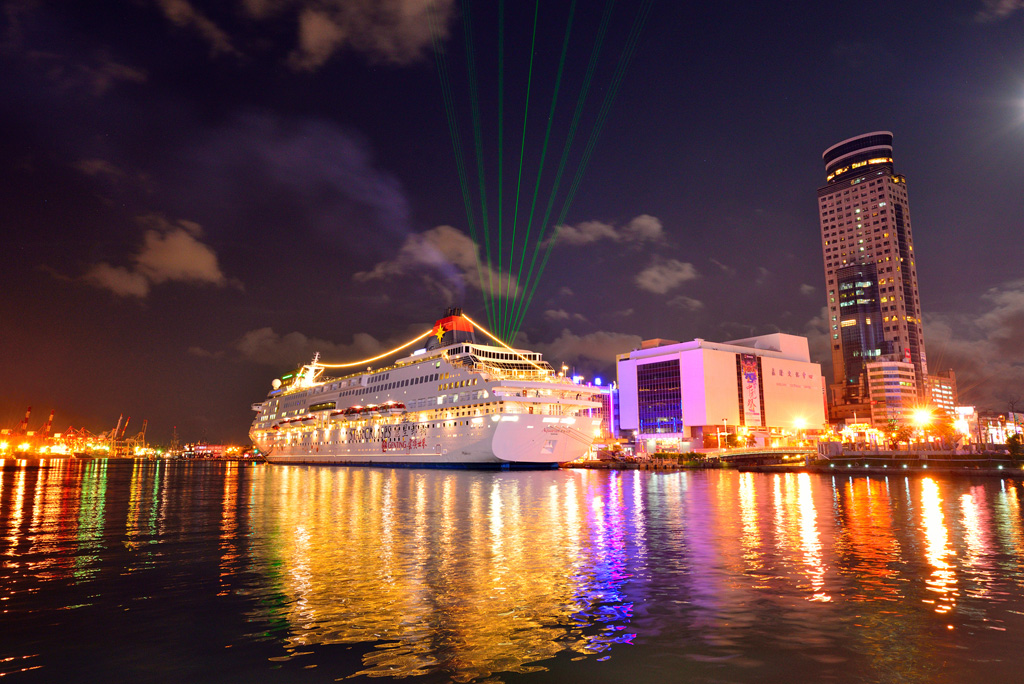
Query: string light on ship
[419, 337]
[379, 356]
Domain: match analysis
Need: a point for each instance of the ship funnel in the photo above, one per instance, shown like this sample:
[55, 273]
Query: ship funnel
[452, 328]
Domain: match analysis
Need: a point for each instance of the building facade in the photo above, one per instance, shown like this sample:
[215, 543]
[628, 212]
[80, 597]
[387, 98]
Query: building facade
[942, 393]
[892, 391]
[690, 390]
[870, 270]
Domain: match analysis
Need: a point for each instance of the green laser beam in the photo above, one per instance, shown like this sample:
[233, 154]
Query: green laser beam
[506, 324]
[544, 147]
[505, 308]
[474, 100]
[627, 55]
[567, 146]
[453, 130]
[501, 121]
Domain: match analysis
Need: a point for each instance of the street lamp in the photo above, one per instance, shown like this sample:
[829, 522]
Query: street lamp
[725, 427]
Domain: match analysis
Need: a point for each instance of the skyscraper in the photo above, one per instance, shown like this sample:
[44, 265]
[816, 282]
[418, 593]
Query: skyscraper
[870, 273]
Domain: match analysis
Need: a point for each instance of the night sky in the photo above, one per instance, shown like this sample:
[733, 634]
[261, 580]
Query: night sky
[196, 196]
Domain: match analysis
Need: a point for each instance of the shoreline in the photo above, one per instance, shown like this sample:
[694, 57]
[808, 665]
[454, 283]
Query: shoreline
[1009, 471]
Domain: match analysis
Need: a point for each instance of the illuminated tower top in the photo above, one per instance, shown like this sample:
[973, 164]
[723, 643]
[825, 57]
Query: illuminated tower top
[857, 154]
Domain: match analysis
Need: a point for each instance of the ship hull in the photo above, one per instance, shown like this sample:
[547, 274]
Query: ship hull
[500, 442]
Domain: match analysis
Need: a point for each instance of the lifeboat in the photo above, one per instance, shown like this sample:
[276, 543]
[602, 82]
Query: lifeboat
[392, 408]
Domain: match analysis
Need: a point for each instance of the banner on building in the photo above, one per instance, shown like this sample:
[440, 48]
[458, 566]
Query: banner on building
[751, 391]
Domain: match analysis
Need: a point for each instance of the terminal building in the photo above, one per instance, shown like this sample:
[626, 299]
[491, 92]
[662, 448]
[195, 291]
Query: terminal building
[699, 394]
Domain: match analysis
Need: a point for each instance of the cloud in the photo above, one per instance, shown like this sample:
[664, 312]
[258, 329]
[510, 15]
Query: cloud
[728, 270]
[994, 10]
[121, 281]
[264, 346]
[182, 14]
[807, 290]
[818, 341]
[319, 37]
[985, 349]
[597, 346]
[563, 315]
[663, 276]
[310, 171]
[389, 31]
[107, 73]
[99, 168]
[643, 228]
[98, 73]
[565, 292]
[686, 303]
[205, 353]
[446, 251]
[763, 274]
[171, 251]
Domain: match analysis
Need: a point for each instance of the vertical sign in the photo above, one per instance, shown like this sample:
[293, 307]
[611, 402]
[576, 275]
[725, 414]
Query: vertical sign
[751, 391]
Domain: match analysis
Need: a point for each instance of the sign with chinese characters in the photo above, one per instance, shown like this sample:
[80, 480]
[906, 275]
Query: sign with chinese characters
[751, 392]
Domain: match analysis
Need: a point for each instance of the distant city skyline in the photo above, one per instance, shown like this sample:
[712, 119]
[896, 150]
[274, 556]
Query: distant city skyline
[197, 196]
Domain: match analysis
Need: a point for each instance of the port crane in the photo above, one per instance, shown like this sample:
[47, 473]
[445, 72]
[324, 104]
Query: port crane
[138, 442]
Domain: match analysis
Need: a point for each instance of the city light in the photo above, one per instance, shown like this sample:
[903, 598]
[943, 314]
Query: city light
[922, 417]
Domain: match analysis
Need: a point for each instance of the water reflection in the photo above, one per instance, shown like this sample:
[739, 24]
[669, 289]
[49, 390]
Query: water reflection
[463, 576]
[975, 518]
[868, 545]
[810, 540]
[942, 583]
[468, 574]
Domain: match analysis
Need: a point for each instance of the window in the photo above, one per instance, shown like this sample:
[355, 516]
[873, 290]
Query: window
[659, 397]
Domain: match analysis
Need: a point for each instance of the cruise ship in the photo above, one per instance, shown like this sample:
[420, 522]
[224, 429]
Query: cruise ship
[453, 403]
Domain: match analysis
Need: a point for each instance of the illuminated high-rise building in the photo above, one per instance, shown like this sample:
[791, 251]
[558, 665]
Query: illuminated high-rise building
[942, 393]
[870, 271]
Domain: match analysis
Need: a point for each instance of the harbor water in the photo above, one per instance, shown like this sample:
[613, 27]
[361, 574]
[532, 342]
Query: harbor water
[150, 571]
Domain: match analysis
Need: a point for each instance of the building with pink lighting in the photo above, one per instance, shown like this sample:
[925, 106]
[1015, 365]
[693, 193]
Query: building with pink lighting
[687, 391]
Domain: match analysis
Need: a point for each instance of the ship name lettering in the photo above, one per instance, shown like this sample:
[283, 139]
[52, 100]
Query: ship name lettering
[402, 444]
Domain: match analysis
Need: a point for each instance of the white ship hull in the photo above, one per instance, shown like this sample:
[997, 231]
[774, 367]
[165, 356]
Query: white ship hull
[509, 441]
